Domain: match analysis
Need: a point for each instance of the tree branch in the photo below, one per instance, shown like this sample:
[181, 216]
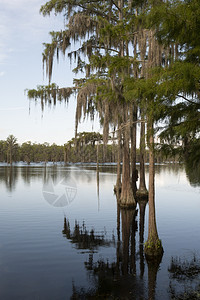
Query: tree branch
[113, 2]
[95, 11]
[109, 49]
[192, 102]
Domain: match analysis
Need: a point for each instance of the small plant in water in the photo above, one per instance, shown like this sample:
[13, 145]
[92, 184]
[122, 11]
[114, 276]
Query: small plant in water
[184, 269]
[186, 274]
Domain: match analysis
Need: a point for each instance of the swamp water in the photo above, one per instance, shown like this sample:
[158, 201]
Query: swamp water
[62, 235]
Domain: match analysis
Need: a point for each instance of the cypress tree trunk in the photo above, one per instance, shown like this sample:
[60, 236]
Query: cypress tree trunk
[142, 191]
[98, 155]
[118, 186]
[133, 118]
[127, 198]
[98, 169]
[153, 246]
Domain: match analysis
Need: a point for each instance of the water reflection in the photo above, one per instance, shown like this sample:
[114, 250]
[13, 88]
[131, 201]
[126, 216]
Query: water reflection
[116, 278]
[170, 168]
[193, 174]
[153, 267]
[107, 265]
[129, 228]
[84, 239]
[9, 176]
[142, 207]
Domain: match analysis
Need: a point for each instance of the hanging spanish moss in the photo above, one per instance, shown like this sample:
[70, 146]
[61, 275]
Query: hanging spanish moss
[85, 104]
[50, 95]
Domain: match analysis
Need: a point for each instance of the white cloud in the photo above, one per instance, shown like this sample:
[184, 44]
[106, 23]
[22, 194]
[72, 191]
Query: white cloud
[2, 73]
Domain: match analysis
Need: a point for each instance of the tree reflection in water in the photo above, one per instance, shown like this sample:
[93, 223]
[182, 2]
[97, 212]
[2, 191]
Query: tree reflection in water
[142, 207]
[116, 279]
[82, 238]
[9, 176]
[193, 173]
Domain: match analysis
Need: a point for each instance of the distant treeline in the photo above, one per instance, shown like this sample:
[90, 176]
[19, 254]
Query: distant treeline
[85, 148]
[11, 151]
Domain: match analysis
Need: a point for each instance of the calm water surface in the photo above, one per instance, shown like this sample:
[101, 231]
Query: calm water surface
[63, 237]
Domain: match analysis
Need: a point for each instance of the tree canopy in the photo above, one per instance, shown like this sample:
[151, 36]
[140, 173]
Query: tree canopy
[119, 46]
[140, 64]
[178, 84]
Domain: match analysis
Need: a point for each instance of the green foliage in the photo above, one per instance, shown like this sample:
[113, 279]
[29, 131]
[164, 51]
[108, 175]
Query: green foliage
[29, 152]
[145, 53]
[57, 5]
[152, 243]
[178, 21]
[178, 86]
[3, 150]
[84, 149]
[11, 148]
[26, 152]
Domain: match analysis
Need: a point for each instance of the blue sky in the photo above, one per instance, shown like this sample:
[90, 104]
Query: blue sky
[22, 31]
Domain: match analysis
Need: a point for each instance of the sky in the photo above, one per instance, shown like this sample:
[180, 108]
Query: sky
[23, 30]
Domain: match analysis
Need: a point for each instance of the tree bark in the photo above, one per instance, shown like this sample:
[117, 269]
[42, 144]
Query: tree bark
[98, 172]
[153, 246]
[118, 186]
[127, 198]
[152, 215]
[133, 119]
[142, 191]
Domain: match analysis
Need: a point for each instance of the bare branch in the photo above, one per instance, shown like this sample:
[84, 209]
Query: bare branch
[113, 2]
[192, 102]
